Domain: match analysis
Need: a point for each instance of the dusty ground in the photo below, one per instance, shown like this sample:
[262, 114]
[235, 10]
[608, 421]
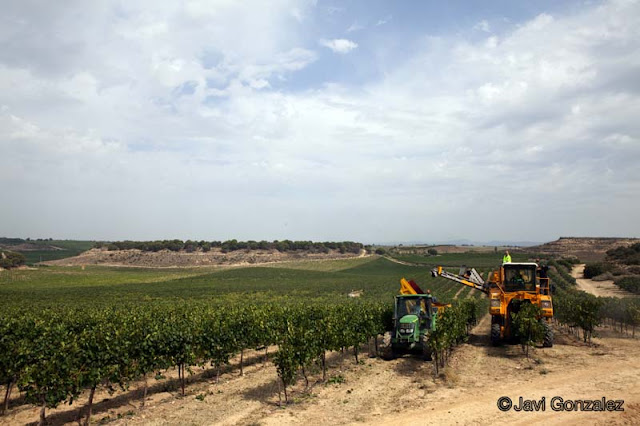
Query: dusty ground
[169, 259]
[599, 288]
[399, 392]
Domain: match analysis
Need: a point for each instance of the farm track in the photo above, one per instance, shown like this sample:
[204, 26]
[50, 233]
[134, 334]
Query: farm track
[598, 288]
[480, 374]
[402, 262]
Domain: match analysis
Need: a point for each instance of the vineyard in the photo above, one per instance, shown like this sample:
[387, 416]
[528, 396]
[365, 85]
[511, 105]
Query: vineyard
[67, 332]
[475, 259]
[53, 355]
[71, 334]
[577, 310]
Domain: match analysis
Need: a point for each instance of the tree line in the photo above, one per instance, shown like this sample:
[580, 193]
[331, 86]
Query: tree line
[233, 245]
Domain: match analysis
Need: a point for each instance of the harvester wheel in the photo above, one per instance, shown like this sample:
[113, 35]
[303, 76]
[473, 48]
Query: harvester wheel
[387, 348]
[495, 334]
[547, 342]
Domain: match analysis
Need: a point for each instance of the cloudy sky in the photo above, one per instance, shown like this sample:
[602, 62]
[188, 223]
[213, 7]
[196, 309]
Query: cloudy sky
[366, 120]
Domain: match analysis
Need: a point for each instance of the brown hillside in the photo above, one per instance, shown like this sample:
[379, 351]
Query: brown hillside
[166, 258]
[584, 248]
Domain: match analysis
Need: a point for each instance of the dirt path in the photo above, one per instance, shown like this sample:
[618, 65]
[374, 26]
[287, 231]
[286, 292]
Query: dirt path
[402, 262]
[599, 288]
[402, 391]
[482, 374]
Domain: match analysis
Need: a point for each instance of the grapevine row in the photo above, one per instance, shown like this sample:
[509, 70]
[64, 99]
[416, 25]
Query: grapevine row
[578, 310]
[54, 355]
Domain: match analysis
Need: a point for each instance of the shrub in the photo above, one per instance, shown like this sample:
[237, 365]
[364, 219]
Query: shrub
[603, 277]
[432, 252]
[627, 255]
[594, 269]
[631, 284]
[11, 259]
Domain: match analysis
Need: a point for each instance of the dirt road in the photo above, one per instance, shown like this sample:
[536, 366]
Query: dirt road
[397, 392]
[402, 262]
[598, 288]
[570, 369]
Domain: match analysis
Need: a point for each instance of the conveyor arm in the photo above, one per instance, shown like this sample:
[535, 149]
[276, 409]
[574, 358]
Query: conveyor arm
[470, 278]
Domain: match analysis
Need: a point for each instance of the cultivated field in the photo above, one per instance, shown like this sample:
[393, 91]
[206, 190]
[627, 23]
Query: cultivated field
[247, 387]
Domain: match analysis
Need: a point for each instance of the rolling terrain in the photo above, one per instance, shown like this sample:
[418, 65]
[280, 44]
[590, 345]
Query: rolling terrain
[370, 391]
[584, 248]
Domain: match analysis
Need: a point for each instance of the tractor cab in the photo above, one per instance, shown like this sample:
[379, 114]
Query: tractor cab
[414, 309]
[519, 277]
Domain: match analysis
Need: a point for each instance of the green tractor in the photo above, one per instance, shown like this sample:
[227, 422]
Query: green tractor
[414, 318]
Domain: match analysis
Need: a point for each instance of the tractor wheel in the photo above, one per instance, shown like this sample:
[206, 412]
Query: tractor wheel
[387, 348]
[426, 351]
[495, 334]
[547, 342]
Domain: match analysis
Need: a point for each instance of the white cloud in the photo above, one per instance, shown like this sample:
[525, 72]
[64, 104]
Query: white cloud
[355, 27]
[482, 26]
[339, 45]
[151, 131]
[384, 20]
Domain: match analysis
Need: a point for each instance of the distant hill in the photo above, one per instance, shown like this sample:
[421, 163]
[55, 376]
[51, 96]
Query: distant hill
[584, 248]
[213, 257]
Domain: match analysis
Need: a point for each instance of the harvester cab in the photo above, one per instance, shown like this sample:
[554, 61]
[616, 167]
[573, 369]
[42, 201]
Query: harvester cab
[414, 317]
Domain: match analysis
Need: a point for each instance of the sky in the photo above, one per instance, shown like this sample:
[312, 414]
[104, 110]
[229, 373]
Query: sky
[372, 121]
